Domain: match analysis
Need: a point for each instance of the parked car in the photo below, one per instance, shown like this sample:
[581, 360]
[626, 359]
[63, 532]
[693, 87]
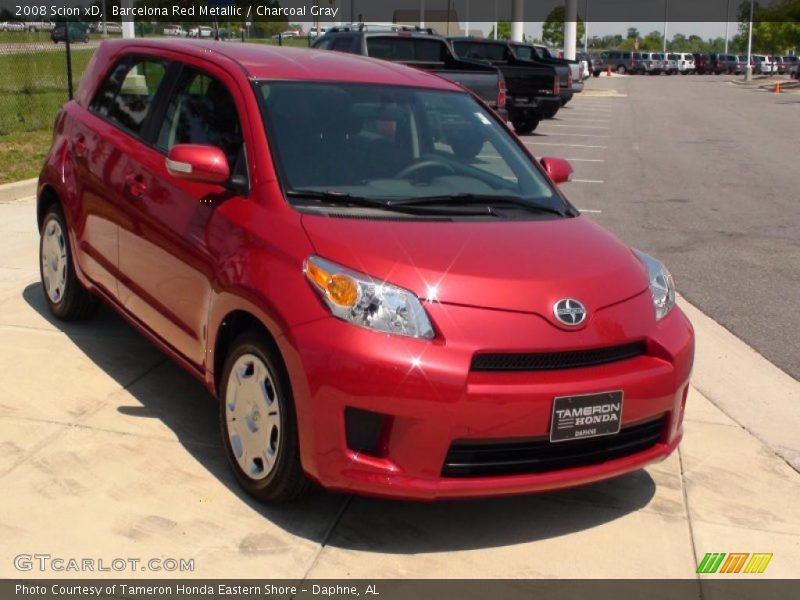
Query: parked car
[659, 63]
[685, 63]
[791, 63]
[286, 34]
[532, 56]
[39, 25]
[619, 61]
[585, 62]
[12, 26]
[423, 50]
[174, 30]
[598, 64]
[548, 56]
[78, 32]
[202, 31]
[112, 27]
[780, 66]
[701, 63]
[762, 64]
[532, 87]
[316, 32]
[644, 64]
[294, 229]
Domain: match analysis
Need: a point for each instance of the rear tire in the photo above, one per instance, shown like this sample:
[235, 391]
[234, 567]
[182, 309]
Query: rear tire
[258, 421]
[64, 294]
[621, 69]
[551, 112]
[525, 126]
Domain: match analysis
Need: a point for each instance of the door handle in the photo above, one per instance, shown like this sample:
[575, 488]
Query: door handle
[79, 147]
[135, 186]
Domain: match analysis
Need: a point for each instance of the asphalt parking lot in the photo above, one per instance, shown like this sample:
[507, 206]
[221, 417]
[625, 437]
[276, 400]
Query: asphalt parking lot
[110, 450]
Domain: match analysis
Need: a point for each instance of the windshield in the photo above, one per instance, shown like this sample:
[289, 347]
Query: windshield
[391, 143]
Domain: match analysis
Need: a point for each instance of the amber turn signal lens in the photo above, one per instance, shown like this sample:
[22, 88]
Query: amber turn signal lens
[342, 290]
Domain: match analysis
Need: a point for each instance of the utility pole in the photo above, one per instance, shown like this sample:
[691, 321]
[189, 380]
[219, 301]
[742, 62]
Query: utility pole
[105, 20]
[666, 16]
[495, 18]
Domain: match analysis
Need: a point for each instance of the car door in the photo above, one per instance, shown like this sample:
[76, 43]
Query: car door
[99, 145]
[165, 264]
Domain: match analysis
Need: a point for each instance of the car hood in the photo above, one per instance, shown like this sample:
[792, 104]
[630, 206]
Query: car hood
[524, 266]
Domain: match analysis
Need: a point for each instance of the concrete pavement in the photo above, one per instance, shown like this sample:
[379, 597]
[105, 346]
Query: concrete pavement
[109, 450]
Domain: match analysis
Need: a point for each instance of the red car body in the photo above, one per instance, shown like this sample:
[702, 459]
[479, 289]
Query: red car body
[181, 270]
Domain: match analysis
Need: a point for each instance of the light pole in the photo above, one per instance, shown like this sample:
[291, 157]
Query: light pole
[727, 24]
[666, 16]
[586, 28]
[495, 18]
[748, 70]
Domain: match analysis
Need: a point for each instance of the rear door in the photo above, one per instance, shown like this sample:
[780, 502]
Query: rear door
[100, 145]
[165, 263]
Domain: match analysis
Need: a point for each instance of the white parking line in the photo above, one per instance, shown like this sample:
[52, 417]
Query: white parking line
[577, 126]
[565, 145]
[585, 159]
[587, 180]
[591, 119]
[594, 135]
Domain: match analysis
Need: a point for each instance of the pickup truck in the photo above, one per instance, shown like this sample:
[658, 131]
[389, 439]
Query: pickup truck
[422, 49]
[546, 55]
[532, 89]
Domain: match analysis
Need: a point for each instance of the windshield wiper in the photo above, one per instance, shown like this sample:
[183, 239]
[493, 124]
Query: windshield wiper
[347, 199]
[469, 198]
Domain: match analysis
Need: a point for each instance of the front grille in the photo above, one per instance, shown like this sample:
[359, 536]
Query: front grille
[552, 361]
[488, 458]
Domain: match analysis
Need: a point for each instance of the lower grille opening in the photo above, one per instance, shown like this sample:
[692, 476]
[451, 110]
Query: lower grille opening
[365, 431]
[487, 458]
[552, 361]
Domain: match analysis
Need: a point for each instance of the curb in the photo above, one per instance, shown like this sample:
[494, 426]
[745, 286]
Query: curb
[18, 190]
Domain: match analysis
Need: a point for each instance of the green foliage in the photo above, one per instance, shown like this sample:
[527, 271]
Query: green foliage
[553, 27]
[503, 30]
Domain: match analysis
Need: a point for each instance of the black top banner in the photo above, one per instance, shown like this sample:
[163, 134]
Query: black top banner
[394, 11]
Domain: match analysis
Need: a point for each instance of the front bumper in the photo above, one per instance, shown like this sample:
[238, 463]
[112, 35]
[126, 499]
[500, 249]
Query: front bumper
[432, 398]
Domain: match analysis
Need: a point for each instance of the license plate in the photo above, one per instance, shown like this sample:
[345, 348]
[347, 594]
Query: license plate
[586, 416]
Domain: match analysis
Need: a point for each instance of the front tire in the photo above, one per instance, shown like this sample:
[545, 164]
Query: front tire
[258, 422]
[64, 294]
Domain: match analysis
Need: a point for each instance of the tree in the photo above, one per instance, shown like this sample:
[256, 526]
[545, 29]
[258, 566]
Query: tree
[652, 42]
[633, 33]
[553, 27]
[503, 31]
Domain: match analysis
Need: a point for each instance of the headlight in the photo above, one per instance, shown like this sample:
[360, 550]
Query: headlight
[363, 301]
[662, 287]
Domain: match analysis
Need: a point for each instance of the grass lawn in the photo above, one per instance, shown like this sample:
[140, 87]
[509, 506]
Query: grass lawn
[34, 86]
[22, 154]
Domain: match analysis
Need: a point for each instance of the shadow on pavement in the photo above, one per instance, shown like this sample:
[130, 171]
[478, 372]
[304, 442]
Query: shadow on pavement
[171, 395]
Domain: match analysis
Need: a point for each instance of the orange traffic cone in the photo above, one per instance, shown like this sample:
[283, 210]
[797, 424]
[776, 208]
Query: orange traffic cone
[777, 88]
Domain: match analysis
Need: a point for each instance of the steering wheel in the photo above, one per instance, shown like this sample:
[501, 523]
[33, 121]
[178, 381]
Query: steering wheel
[412, 170]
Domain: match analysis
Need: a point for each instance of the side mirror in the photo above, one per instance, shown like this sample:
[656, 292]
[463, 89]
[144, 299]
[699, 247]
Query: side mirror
[198, 163]
[559, 170]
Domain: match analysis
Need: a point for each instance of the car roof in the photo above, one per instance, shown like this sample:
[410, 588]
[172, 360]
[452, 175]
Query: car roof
[261, 61]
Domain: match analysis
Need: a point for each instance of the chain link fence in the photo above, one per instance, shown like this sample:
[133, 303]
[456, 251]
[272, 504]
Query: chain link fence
[35, 81]
[35, 71]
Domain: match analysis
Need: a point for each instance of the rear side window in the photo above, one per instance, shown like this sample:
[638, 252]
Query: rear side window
[202, 111]
[477, 51]
[405, 49]
[324, 44]
[126, 95]
[344, 44]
